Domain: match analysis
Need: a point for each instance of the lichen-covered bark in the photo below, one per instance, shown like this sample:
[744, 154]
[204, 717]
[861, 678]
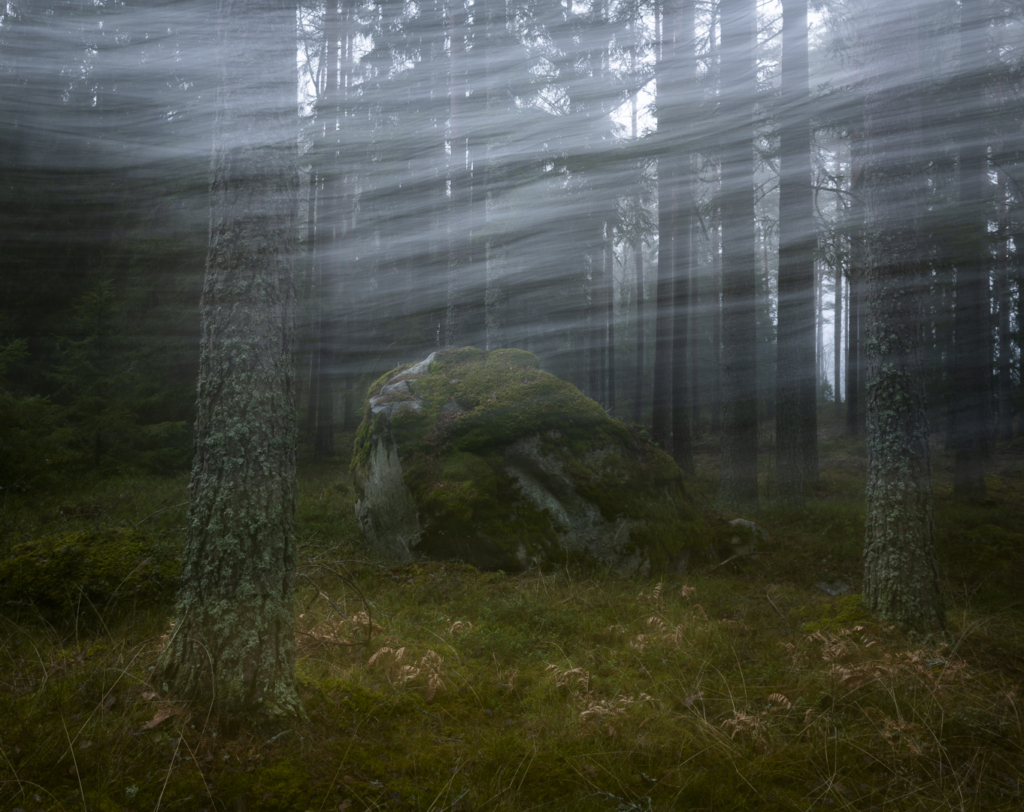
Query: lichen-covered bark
[901, 581]
[232, 645]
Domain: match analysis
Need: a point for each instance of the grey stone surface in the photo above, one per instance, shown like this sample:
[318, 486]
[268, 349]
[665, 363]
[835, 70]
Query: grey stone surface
[545, 506]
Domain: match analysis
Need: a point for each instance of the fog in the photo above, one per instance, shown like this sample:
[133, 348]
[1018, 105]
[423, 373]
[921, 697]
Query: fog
[483, 173]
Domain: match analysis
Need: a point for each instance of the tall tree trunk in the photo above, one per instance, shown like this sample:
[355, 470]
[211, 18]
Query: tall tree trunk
[737, 489]
[609, 276]
[1002, 292]
[327, 239]
[233, 646]
[853, 357]
[972, 355]
[352, 286]
[638, 268]
[901, 581]
[696, 319]
[837, 342]
[682, 71]
[661, 416]
[858, 264]
[819, 338]
[716, 311]
[598, 329]
[716, 255]
[797, 241]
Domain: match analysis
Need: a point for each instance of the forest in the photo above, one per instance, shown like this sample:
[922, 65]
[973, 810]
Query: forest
[775, 239]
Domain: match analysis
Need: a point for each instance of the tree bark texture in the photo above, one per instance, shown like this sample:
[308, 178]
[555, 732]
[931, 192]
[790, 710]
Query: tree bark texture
[609, 300]
[716, 250]
[1004, 428]
[797, 241]
[972, 404]
[853, 356]
[598, 329]
[858, 263]
[682, 70]
[661, 414]
[232, 645]
[901, 580]
[737, 489]
[638, 268]
[327, 242]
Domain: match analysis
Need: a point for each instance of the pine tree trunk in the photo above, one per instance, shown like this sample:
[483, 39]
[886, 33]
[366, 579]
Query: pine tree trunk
[233, 644]
[696, 318]
[837, 343]
[858, 262]
[327, 242]
[716, 256]
[737, 489]
[972, 405]
[1002, 292]
[901, 582]
[796, 259]
[609, 276]
[716, 314]
[682, 64]
[638, 269]
[853, 357]
[597, 327]
[819, 339]
[661, 415]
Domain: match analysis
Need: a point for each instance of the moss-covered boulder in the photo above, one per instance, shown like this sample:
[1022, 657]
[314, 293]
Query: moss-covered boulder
[99, 567]
[485, 458]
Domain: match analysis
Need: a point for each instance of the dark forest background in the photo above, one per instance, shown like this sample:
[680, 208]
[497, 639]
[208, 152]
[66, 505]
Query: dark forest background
[494, 174]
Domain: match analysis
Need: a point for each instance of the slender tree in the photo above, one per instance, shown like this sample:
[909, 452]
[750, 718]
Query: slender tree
[837, 340]
[737, 490]
[661, 411]
[232, 644]
[901, 582]
[716, 245]
[796, 414]
[971, 407]
[638, 253]
[326, 242]
[858, 264]
[1002, 296]
[683, 68]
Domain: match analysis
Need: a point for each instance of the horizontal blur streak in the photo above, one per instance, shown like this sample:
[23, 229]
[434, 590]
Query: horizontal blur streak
[111, 95]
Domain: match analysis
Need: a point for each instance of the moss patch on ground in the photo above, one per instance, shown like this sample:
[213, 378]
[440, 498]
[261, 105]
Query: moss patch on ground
[448, 688]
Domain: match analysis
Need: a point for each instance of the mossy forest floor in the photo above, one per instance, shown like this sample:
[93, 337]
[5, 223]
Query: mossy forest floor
[446, 688]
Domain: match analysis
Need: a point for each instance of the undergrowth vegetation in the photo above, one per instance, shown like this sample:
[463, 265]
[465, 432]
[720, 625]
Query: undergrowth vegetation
[441, 687]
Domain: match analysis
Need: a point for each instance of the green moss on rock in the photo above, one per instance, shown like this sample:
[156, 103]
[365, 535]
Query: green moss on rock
[509, 465]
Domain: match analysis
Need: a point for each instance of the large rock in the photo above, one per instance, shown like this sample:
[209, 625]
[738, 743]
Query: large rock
[485, 458]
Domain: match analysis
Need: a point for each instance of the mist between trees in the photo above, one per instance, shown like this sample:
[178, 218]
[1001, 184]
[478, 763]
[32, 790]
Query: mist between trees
[709, 216]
